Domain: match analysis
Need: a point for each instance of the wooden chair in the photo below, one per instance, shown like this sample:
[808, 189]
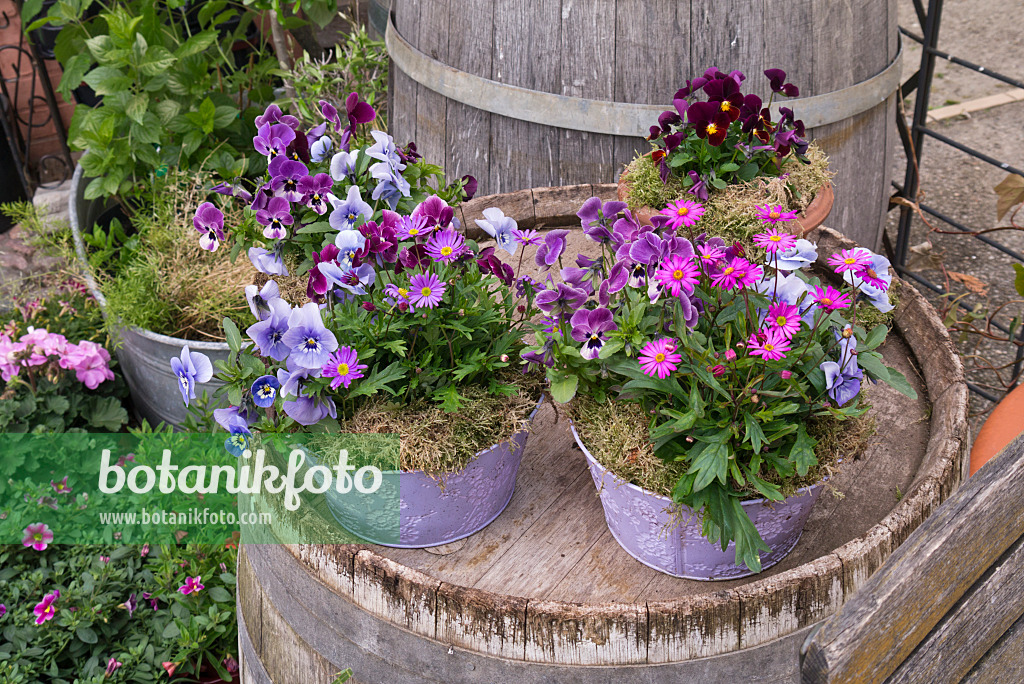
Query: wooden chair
[947, 606]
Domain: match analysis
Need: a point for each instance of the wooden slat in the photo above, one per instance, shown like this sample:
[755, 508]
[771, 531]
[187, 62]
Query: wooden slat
[925, 577]
[607, 634]
[401, 88]
[1003, 662]
[728, 34]
[974, 625]
[432, 108]
[693, 627]
[468, 130]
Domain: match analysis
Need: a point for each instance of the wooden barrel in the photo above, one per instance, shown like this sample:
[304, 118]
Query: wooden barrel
[579, 67]
[545, 594]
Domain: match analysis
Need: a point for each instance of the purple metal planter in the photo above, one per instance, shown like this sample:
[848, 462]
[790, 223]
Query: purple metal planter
[412, 510]
[646, 526]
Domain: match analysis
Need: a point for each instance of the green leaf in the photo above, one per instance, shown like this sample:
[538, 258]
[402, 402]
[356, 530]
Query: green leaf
[729, 167]
[874, 338]
[234, 337]
[207, 114]
[318, 227]
[872, 363]
[451, 402]
[158, 59]
[221, 595]
[754, 433]
[107, 80]
[1018, 282]
[609, 349]
[107, 414]
[711, 464]
[171, 631]
[378, 381]
[748, 171]
[563, 386]
[136, 109]
[802, 451]
[196, 44]
[86, 634]
[898, 381]
[342, 677]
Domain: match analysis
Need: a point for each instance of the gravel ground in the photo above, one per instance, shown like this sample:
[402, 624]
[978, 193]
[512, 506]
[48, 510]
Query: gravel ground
[961, 186]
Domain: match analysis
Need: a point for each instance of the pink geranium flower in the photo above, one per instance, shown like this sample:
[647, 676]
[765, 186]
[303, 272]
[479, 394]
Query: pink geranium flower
[774, 241]
[38, 536]
[659, 358]
[770, 345]
[191, 585]
[90, 361]
[44, 610]
[850, 260]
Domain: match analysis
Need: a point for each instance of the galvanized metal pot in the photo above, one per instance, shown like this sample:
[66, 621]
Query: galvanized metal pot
[143, 355]
[651, 528]
[412, 510]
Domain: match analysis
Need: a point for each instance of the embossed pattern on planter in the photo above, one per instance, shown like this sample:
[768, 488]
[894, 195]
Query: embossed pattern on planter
[645, 526]
[430, 512]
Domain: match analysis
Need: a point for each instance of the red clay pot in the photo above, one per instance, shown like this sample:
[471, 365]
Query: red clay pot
[815, 214]
[1002, 426]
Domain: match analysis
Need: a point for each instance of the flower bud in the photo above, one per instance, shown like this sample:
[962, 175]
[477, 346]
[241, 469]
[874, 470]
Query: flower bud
[521, 309]
[369, 306]
[730, 355]
[504, 358]
[403, 306]
[718, 370]
[786, 375]
[755, 398]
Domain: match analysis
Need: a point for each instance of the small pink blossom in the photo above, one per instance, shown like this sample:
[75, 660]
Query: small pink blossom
[44, 610]
[786, 374]
[144, 551]
[62, 486]
[718, 371]
[191, 585]
[3, 610]
[90, 361]
[104, 559]
[682, 213]
[770, 345]
[829, 298]
[112, 667]
[776, 214]
[775, 241]
[730, 355]
[785, 318]
[850, 259]
[659, 358]
[678, 274]
[37, 535]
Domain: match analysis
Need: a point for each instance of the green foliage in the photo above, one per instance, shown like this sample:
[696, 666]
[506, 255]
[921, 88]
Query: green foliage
[170, 98]
[92, 624]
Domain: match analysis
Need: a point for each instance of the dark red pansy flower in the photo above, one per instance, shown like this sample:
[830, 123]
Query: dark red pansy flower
[657, 155]
[654, 133]
[731, 106]
[709, 122]
[672, 141]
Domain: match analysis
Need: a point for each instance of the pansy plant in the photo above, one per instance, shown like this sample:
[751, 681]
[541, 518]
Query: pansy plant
[729, 354]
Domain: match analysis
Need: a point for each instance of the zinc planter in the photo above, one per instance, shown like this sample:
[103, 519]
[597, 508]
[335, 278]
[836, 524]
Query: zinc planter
[433, 512]
[143, 355]
[652, 529]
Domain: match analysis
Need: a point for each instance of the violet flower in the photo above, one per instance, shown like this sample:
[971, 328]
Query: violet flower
[598, 219]
[358, 112]
[209, 222]
[561, 300]
[272, 140]
[285, 175]
[699, 189]
[330, 113]
[549, 252]
[264, 390]
[842, 384]
[320, 148]
[344, 367]
[259, 299]
[191, 368]
[588, 327]
[350, 244]
[499, 227]
[269, 263]
[232, 191]
[343, 165]
[310, 342]
[347, 211]
[273, 115]
[355, 280]
[307, 411]
[877, 271]
[435, 211]
[291, 375]
[275, 219]
[113, 666]
[316, 192]
[223, 416]
[800, 255]
[709, 122]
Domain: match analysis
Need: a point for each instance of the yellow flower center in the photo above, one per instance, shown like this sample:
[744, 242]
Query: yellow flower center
[728, 270]
[402, 292]
[726, 106]
[775, 238]
[677, 274]
[659, 357]
[425, 292]
[780, 321]
[871, 272]
[827, 301]
[593, 336]
[311, 343]
[849, 261]
[682, 211]
[768, 346]
[342, 369]
[774, 214]
[38, 536]
[414, 231]
[446, 251]
[712, 129]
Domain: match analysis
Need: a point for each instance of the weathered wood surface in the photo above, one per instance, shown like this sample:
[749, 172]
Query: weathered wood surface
[944, 599]
[545, 593]
[642, 51]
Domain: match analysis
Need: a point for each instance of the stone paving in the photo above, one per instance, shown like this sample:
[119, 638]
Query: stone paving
[21, 264]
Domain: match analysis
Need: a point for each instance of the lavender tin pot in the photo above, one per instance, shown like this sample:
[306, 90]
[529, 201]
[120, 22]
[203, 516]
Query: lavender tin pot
[412, 510]
[646, 526]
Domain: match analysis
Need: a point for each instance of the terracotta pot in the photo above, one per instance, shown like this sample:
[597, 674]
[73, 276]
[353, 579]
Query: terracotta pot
[1001, 427]
[815, 214]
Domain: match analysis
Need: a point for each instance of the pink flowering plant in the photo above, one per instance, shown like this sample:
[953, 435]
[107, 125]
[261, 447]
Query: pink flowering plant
[716, 135]
[729, 349]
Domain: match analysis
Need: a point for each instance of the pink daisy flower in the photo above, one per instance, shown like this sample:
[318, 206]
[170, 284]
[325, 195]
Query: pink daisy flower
[446, 246]
[659, 358]
[772, 347]
[829, 298]
[678, 274]
[682, 213]
[526, 237]
[785, 318]
[775, 241]
[868, 275]
[732, 274]
[413, 227]
[850, 260]
[776, 214]
[425, 291]
[344, 367]
[710, 255]
[44, 610]
[37, 535]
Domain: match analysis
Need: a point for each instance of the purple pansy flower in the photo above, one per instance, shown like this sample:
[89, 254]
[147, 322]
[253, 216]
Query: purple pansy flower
[264, 390]
[317, 284]
[588, 327]
[316, 192]
[191, 368]
[269, 263]
[842, 384]
[358, 112]
[225, 416]
[272, 140]
[259, 299]
[275, 219]
[598, 219]
[500, 227]
[561, 300]
[549, 252]
[209, 222]
[291, 375]
[435, 211]
[285, 175]
[802, 254]
[355, 280]
[347, 211]
[349, 243]
[273, 115]
[310, 342]
[232, 191]
[306, 410]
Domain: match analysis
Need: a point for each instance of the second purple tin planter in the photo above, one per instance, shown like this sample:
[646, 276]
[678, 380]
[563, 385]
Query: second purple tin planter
[649, 527]
[412, 510]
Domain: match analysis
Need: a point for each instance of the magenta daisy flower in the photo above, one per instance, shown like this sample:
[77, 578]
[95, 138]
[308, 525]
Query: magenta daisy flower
[659, 358]
[784, 317]
[682, 213]
[738, 272]
[678, 274]
[37, 535]
[710, 255]
[344, 367]
[775, 241]
[425, 291]
[776, 214]
[829, 298]
[868, 275]
[446, 246]
[413, 227]
[770, 345]
[850, 260]
[526, 238]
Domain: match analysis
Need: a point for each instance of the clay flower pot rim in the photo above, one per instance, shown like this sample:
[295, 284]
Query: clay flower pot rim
[814, 215]
[1001, 427]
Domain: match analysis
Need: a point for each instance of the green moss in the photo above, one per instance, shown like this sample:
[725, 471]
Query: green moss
[729, 213]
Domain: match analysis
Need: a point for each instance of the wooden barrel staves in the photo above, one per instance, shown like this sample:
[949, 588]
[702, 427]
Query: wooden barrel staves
[545, 594]
[527, 93]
